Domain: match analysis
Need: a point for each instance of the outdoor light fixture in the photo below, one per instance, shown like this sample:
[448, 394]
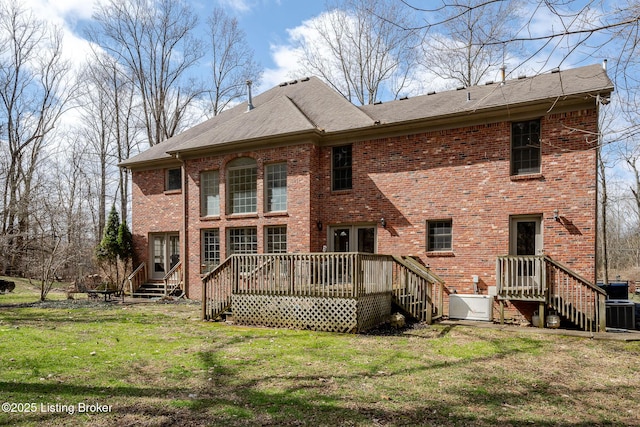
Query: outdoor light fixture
[319, 225]
[383, 222]
[556, 217]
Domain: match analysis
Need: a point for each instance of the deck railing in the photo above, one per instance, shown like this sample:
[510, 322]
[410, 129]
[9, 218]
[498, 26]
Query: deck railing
[575, 298]
[521, 277]
[137, 278]
[336, 275]
[417, 290]
[539, 278]
[173, 279]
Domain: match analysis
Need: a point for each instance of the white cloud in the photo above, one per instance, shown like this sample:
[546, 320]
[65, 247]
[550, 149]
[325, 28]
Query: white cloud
[236, 5]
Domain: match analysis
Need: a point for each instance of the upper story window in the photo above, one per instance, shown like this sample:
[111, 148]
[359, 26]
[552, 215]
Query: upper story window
[525, 147]
[173, 179]
[242, 177]
[341, 168]
[276, 187]
[439, 236]
[210, 193]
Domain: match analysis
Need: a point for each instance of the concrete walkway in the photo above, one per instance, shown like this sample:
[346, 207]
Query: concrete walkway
[611, 335]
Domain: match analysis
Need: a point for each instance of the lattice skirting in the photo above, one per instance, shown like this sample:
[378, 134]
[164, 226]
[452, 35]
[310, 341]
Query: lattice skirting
[316, 313]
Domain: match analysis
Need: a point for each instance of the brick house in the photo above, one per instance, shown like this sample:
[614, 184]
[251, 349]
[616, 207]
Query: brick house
[455, 179]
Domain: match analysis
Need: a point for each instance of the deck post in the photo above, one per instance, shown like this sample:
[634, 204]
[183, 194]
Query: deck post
[541, 314]
[501, 312]
[602, 313]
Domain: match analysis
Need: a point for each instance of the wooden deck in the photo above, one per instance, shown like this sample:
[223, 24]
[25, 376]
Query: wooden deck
[341, 292]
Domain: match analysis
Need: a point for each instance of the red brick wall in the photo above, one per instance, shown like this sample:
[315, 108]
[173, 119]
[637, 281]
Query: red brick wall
[459, 174]
[153, 210]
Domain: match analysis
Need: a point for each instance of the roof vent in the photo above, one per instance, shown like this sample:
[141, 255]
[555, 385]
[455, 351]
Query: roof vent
[249, 100]
[460, 88]
[503, 74]
[305, 79]
[403, 98]
[377, 103]
[292, 82]
[283, 84]
[490, 82]
[604, 64]
[433, 92]
[522, 76]
[555, 70]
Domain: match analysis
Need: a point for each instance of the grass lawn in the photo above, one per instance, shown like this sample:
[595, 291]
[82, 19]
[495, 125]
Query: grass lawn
[67, 363]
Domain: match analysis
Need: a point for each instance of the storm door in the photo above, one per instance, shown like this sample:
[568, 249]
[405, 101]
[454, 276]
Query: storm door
[525, 245]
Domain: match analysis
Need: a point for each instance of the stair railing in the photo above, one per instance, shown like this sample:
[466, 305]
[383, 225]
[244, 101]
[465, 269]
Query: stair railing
[417, 290]
[574, 297]
[173, 279]
[137, 278]
[217, 288]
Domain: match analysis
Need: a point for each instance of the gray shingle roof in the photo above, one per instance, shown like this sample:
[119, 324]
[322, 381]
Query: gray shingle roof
[311, 106]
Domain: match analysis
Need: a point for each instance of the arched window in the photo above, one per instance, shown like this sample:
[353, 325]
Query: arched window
[242, 177]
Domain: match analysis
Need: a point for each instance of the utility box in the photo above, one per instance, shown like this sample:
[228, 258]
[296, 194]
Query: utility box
[471, 307]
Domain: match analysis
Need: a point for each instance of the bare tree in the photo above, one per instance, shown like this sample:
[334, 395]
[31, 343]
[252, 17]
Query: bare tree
[360, 50]
[34, 92]
[460, 49]
[232, 63]
[109, 128]
[153, 43]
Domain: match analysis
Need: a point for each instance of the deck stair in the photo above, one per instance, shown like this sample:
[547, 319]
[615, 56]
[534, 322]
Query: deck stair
[554, 286]
[150, 289]
[141, 286]
[414, 287]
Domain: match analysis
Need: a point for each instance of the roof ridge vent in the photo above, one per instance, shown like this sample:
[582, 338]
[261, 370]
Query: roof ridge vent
[404, 97]
[377, 103]
[283, 84]
[555, 70]
[305, 79]
[433, 92]
[490, 82]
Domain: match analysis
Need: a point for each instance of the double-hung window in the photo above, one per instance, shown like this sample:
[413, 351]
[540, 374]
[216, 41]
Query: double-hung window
[276, 187]
[210, 249]
[525, 147]
[210, 193]
[341, 168]
[242, 177]
[276, 239]
[173, 179]
[242, 240]
[439, 236]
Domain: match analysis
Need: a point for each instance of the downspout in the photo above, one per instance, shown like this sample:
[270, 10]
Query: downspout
[185, 225]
